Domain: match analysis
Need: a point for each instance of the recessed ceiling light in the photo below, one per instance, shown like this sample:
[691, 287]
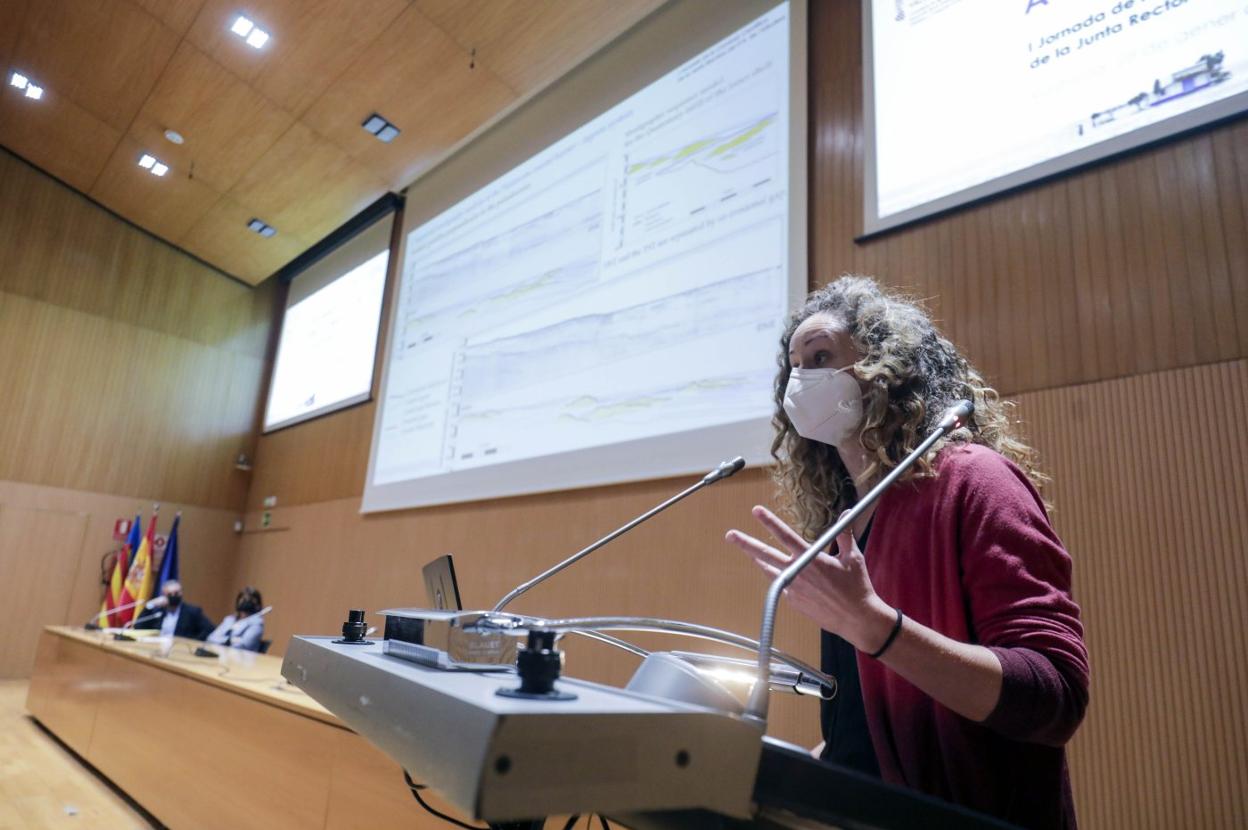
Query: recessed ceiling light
[257, 38]
[174, 136]
[242, 26]
[153, 165]
[377, 125]
[19, 81]
[261, 228]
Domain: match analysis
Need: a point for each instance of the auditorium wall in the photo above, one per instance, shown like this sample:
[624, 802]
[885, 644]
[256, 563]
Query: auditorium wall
[1111, 303]
[130, 374]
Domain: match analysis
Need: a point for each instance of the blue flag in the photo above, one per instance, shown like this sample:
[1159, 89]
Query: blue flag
[136, 535]
[169, 565]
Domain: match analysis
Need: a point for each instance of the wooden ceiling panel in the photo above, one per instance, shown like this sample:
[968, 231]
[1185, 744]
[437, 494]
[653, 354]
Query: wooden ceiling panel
[312, 42]
[56, 135]
[305, 186]
[226, 124]
[273, 133]
[222, 238]
[176, 14]
[419, 78]
[104, 55]
[529, 43]
[166, 205]
[12, 13]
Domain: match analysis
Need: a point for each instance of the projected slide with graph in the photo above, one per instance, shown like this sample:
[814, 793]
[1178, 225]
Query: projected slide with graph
[628, 282]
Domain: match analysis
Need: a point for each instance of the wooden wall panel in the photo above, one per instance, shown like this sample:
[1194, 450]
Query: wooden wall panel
[318, 460]
[61, 249]
[1151, 501]
[129, 367]
[1135, 265]
[35, 579]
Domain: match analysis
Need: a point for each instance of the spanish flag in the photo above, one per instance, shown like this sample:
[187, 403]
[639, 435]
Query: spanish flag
[138, 587]
[116, 585]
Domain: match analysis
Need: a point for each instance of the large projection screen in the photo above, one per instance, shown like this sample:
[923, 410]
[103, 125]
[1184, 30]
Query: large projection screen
[593, 290]
[967, 98]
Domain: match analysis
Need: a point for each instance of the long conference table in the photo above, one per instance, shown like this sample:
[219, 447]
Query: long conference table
[206, 742]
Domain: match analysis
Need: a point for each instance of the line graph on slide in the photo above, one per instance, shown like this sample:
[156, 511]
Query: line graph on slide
[725, 152]
[556, 388]
[699, 179]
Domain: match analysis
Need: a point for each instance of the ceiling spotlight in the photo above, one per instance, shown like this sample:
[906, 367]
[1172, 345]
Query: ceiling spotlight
[174, 136]
[261, 228]
[381, 128]
[35, 92]
[153, 165]
[249, 31]
[18, 80]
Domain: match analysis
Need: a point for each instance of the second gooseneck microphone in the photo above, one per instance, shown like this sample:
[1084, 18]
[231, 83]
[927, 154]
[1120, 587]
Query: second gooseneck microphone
[724, 470]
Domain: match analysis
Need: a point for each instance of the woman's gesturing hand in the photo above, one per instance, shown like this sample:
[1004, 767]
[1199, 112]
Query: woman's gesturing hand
[834, 591]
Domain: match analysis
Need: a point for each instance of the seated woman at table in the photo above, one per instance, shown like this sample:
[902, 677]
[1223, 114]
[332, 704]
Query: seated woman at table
[245, 627]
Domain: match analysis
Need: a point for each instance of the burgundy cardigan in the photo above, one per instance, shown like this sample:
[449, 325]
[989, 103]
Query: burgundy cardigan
[971, 554]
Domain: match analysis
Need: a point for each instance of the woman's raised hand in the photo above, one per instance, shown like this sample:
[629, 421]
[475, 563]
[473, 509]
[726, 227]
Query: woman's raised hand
[834, 591]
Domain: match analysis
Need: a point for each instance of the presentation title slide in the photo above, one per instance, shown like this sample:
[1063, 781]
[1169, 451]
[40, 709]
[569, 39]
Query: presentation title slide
[969, 91]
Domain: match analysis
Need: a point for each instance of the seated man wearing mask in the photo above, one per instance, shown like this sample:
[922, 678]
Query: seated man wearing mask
[245, 627]
[174, 617]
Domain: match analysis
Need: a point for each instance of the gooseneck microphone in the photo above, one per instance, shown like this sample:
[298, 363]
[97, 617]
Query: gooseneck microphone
[724, 470]
[953, 418]
[92, 625]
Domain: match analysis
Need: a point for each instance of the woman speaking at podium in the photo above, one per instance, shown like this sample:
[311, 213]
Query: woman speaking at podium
[947, 612]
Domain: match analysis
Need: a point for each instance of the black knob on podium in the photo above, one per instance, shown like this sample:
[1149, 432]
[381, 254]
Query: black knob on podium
[538, 663]
[353, 629]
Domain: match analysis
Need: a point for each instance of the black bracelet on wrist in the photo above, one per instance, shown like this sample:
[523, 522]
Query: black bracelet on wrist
[892, 636]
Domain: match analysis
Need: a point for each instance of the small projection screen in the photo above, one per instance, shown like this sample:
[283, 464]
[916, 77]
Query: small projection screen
[967, 98]
[328, 344]
[593, 291]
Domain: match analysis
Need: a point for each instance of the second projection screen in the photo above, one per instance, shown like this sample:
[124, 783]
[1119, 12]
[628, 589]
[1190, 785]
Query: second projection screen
[610, 308]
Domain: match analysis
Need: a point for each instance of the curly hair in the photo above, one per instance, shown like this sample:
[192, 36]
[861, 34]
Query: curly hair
[912, 374]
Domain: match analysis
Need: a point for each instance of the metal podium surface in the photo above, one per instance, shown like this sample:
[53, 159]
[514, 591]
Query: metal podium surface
[647, 762]
[504, 759]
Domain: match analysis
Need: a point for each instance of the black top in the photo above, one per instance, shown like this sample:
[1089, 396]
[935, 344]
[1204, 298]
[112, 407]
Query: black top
[844, 717]
[192, 622]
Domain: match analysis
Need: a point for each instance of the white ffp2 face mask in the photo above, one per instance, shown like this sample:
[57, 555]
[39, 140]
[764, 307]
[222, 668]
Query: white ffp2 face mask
[824, 405]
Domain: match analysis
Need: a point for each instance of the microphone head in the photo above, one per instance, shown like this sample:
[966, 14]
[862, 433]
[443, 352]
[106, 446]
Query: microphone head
[725, 469]
[957, 415]
[159, 602]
